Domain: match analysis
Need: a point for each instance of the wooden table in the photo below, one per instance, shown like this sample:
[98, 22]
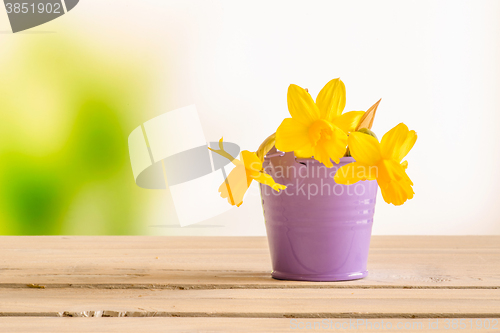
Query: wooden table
[208, 284]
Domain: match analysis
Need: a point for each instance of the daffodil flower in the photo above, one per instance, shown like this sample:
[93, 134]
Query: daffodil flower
[318, 128]
[247, 169]
[381, 161]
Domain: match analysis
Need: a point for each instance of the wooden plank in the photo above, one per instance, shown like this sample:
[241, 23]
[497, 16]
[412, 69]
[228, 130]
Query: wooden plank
[184, 242]
[244, 325]
[256, 303]
[237, 262]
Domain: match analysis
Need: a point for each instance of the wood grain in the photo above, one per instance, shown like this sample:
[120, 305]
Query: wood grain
[256, 303]
[244, 325]
[239, 262]
[223, 284]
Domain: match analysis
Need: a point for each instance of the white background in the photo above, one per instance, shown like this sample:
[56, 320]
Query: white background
[435, 64]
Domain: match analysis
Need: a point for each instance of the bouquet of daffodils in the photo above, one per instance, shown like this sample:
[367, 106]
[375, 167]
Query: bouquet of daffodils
[321, 131]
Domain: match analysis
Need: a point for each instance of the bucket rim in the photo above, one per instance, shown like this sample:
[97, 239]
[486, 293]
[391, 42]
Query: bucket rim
[343, 160]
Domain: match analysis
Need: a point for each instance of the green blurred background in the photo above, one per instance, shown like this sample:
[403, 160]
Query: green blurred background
[67, 106]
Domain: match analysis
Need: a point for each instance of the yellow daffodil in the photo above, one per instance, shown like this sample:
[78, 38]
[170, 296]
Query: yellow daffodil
[381, 161]
[247, 169]
[318, 128]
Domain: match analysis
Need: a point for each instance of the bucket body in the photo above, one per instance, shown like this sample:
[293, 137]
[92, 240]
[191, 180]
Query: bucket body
[317, 230]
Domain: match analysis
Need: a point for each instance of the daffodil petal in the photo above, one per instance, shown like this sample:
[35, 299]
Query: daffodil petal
[394, 183]
[390, 170]
[304, 153]
[331, 149]
[364, 148]
[353, 172]
[266, 179]
[292, 135]
[235, 185]
[251, 161]
[411, 138]
[348, 121]
[396, 143]
[331, 99]
[393, 140]
[397, 192]
[301, 105]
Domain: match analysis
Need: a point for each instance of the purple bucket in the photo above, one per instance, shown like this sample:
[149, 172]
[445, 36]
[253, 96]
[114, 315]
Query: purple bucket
[317, 230]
